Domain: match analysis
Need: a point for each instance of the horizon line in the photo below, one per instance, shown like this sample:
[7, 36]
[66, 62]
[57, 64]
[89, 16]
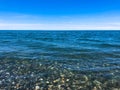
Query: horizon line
[60, 30]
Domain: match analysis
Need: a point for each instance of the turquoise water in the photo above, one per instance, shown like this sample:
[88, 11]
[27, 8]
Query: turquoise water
[76, 51]
[90, 49]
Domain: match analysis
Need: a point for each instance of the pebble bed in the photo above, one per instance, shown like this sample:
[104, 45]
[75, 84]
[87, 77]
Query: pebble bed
[33, 74]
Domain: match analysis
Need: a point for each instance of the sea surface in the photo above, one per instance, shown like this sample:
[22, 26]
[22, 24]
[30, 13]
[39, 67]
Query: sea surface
[80, 51]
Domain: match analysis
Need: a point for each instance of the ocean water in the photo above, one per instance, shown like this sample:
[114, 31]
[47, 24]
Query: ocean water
[91, 50]
[27, 57]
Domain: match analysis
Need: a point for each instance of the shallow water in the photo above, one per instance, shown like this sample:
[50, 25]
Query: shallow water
[78, 51]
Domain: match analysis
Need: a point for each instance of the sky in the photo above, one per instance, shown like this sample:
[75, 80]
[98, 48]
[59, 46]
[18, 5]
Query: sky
[59, 14]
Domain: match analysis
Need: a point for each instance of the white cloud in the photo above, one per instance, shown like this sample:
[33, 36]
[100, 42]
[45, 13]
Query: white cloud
[29, 22]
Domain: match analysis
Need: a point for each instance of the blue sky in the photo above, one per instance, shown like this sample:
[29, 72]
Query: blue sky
[60, 14]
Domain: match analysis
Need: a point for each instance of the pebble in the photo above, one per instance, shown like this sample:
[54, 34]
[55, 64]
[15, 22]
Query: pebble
[97, 82]
[95, 88]
[37, 87]
[47, 82]
[57, 80]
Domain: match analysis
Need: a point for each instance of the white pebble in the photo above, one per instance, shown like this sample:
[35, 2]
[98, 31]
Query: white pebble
[37, 88]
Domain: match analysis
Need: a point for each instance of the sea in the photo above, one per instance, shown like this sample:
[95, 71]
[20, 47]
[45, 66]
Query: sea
[81, 51]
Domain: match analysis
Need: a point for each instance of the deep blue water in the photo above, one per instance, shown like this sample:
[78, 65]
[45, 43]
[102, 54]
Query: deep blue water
[77, 50]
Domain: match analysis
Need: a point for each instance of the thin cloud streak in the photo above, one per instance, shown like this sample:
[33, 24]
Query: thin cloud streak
[57, 27]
